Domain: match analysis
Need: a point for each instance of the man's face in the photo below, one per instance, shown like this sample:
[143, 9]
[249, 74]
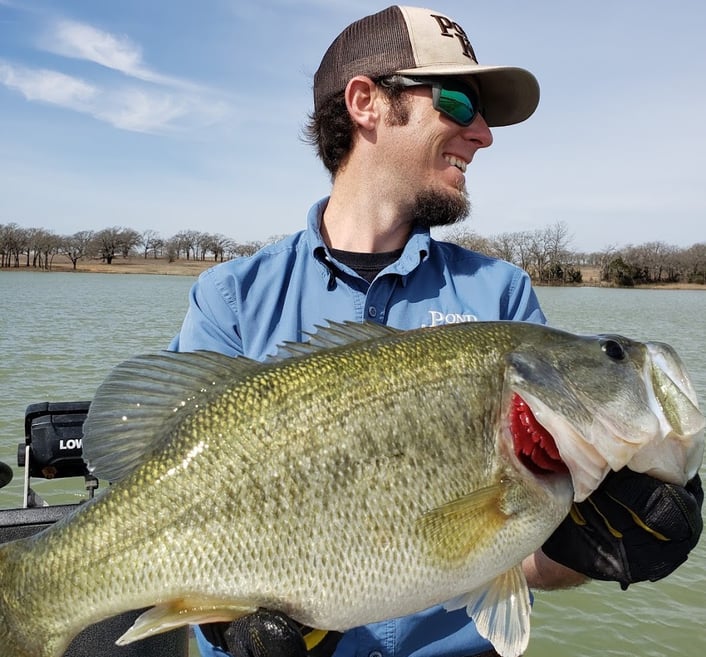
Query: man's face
[429, 155]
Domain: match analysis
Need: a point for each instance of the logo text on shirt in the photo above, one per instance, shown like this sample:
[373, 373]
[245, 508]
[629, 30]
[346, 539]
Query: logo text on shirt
[437, 318]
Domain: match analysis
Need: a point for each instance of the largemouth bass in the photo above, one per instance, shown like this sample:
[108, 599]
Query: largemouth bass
[367, 475]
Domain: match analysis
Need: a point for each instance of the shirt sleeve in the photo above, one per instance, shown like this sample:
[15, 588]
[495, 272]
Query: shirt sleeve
[211, 321]
[523, 305]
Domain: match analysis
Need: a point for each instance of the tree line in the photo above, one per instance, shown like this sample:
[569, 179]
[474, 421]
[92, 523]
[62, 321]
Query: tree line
[37, 247]
[545, 253]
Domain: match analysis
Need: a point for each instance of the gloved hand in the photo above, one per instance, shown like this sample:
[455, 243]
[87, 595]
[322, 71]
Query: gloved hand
[269, 633]
[633, 528]
[262, 634]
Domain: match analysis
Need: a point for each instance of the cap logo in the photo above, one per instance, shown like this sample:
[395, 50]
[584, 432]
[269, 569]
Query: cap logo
[452, 29]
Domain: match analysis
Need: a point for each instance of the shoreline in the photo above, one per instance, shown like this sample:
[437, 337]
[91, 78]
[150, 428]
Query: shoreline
[181, 267]
[130, 265]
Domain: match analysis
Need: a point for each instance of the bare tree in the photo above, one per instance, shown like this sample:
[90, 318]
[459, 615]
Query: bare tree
[557, 240]
[107, 243]
[468, 239]
[245, 249]
[694, 260]
[186, 241]
[128, 240]
[504, 246]
[77, 246]
[523, 249]
[14, 239]
[217, 244]
[151, 242]
[45, 245]
[603, 260]
[204, 241]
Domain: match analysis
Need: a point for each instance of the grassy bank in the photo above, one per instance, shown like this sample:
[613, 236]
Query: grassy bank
[140, 265]
[130, 265]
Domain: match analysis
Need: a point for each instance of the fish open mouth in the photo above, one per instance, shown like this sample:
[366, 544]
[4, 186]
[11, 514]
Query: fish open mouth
[533, 444]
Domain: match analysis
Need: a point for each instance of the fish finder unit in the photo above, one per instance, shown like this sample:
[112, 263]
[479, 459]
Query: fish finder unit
[52, 448]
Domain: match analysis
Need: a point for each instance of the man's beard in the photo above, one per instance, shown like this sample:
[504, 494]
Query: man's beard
[435, 208]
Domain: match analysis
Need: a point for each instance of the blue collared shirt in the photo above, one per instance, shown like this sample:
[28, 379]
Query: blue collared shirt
[249, 306]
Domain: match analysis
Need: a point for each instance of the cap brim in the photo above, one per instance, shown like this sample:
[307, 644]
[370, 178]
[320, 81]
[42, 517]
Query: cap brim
[509, 94]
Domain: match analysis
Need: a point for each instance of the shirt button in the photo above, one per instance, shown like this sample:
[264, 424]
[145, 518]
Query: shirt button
[375, 653]
[372, 312]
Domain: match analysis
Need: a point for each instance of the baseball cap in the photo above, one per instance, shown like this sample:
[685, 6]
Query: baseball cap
[422, 42]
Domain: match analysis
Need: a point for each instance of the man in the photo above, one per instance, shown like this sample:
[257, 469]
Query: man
[401, 107]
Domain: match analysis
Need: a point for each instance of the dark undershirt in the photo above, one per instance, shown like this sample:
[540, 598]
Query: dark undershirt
[366, 265]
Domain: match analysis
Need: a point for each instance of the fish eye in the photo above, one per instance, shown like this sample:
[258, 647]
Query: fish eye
[613, 349]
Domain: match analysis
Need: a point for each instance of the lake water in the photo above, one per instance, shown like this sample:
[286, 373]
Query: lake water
[61, 333]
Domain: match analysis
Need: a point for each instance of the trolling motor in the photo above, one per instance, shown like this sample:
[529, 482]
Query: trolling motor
[52, 448]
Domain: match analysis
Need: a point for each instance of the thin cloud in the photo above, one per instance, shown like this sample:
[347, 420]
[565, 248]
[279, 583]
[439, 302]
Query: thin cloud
[138, 111]
[145, 101]
[117, 52]
[86, 42]
[146, 110]
[48, 86]
[129, 107]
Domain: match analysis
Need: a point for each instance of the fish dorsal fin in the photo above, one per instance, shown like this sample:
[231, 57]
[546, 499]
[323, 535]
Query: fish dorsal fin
[500, 611]
[143, 399]
[335, 334]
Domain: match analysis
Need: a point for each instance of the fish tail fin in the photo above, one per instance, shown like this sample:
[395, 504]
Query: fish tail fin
[7, 642]
[10, 646]
[18, 636]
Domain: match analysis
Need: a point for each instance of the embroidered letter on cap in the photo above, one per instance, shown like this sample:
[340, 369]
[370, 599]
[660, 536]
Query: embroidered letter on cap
[452, 29]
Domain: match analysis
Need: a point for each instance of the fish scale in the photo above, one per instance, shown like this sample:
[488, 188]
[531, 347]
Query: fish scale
[367, 476]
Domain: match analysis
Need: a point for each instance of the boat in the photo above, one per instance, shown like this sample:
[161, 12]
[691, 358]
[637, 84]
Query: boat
[52, 449]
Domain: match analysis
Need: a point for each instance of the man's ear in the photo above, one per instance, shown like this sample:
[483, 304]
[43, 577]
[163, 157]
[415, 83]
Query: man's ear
[363, 102]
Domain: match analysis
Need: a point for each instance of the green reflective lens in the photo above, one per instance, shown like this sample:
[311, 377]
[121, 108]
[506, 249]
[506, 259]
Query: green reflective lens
[457, 105]
[450, 96]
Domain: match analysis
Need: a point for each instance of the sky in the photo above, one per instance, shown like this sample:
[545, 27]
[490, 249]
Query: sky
[173, 115]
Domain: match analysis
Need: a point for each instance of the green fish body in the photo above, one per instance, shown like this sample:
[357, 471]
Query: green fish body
[370, 474]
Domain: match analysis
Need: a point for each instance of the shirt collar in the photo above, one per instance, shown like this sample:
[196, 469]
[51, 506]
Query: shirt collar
[415, 251]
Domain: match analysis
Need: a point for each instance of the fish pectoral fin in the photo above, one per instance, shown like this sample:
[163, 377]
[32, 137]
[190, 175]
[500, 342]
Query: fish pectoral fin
[500, 611]
[456, 529]
[185, 611]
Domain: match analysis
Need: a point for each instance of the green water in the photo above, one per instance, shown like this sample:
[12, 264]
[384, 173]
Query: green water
[61, 333]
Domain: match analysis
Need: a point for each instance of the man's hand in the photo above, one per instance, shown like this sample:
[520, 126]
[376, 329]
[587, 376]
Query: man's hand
[262, 634]
[633, 528]
[269, 633]
[265, 634]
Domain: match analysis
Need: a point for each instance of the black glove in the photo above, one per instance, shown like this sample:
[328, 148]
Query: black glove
[269, 633]
[631, 529]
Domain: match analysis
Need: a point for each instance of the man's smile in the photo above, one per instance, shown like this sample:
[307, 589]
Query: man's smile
[456, 162]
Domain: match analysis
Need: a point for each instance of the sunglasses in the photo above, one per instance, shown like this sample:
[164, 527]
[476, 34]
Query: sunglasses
[450, 96]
